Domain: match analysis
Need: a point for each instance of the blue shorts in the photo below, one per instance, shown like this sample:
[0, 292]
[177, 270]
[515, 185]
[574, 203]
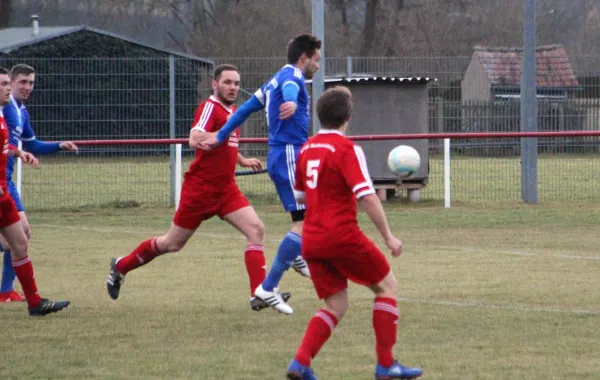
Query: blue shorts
[12, 189]
[281, 165]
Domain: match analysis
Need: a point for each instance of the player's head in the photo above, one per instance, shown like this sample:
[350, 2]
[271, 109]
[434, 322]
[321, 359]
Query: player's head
[22, 78]
[304, 51]
[226, 83]
[5, 88]
[334, 107]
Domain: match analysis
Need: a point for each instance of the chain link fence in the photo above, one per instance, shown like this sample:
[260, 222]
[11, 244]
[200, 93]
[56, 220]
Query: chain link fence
[82, 99]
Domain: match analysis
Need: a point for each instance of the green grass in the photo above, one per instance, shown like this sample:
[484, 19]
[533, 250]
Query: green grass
[82, 182]
[489, 290]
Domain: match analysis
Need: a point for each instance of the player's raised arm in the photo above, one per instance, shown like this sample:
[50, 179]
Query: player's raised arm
[254, 104]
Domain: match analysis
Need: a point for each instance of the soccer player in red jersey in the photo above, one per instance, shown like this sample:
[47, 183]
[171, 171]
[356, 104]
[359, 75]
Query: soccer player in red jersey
[331, 176]
[11, 229]
[209, 188]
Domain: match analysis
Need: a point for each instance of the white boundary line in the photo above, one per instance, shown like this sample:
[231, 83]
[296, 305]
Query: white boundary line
[510, 307]
[515, 253]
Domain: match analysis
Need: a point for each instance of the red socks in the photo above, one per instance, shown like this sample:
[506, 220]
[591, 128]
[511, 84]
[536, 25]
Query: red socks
[385, 324]
[319, 330]
[24, 270]
[143, 254]
[256, 266]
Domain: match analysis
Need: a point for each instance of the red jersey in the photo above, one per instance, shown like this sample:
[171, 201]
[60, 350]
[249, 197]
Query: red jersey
[216, 167]
[4, 143]
[332, 173]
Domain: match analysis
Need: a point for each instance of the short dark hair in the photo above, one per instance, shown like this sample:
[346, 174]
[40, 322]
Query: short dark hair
[302, 44]
[334, 107]
[3, 71]
[224, 67]
[21, 69]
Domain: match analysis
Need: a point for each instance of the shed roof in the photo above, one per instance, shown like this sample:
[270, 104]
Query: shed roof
[502, 65]
[15, 38]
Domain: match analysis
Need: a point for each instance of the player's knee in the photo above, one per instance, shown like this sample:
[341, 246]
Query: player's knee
[389, 287]
[256, 231]
[26, 229]
[19, 249]
[173, 245]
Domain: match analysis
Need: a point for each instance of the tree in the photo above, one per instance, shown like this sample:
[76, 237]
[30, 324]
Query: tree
[6, 9]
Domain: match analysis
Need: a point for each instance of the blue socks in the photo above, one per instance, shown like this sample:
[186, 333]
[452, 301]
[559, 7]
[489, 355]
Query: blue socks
[8, 273]
[289, 249]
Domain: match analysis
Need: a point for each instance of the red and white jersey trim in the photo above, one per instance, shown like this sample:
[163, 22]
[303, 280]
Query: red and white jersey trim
[204, 117]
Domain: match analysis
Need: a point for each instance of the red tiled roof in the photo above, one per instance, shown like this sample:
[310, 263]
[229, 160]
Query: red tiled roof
[503, 66]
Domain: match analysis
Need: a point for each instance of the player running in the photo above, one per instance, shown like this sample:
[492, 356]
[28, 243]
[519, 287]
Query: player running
[331, 176]
[208, 189]
[11, 228]
[286, 102]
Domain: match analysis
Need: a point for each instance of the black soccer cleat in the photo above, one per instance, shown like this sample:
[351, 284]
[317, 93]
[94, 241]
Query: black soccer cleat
[47, 307]
[257, 304]
[115, 280]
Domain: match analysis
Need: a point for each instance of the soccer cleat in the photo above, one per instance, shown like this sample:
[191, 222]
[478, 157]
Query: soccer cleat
[115, 280]
[300, 266]
[297, 371]
[46, 307]
[11, 296]
[396, 371]
[257, 304]
[273, 299]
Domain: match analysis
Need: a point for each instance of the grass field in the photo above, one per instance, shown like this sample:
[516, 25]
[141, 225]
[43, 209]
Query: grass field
[488, 290]
[73, 182]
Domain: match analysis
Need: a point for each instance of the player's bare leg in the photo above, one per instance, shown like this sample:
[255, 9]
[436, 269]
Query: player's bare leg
[249, 224]
[385, 323]
[10, 295]
[173, 241]
[15, 237]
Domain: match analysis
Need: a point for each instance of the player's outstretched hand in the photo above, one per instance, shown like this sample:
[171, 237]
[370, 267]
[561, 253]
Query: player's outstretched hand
[287, 109]
[29, 158]
[394, 245]
[209, 144]
[68, 146]
[253, 163]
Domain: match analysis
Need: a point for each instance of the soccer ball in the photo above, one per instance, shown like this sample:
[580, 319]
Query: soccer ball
[404, 161]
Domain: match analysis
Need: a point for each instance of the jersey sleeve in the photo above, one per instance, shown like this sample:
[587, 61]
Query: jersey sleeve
[356, 173]
[299, 188]
[204, 118]
[11, 116]
[28, 134]
[294, 78]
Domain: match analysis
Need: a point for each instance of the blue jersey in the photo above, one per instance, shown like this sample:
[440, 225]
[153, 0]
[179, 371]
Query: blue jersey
[293, 130]
[19, 129]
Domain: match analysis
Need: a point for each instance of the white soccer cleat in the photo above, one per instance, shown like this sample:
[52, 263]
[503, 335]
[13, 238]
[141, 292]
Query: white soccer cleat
[301, 267]
[273, 299]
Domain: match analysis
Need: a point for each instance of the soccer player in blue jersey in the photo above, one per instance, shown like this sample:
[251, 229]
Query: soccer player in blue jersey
[287, 105]
[22, 78]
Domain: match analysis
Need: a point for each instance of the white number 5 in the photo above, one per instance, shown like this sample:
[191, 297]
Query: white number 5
[312, 173]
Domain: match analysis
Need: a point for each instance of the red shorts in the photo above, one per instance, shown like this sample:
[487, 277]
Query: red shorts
[357, 259]
[201, 202]
[9, 214]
